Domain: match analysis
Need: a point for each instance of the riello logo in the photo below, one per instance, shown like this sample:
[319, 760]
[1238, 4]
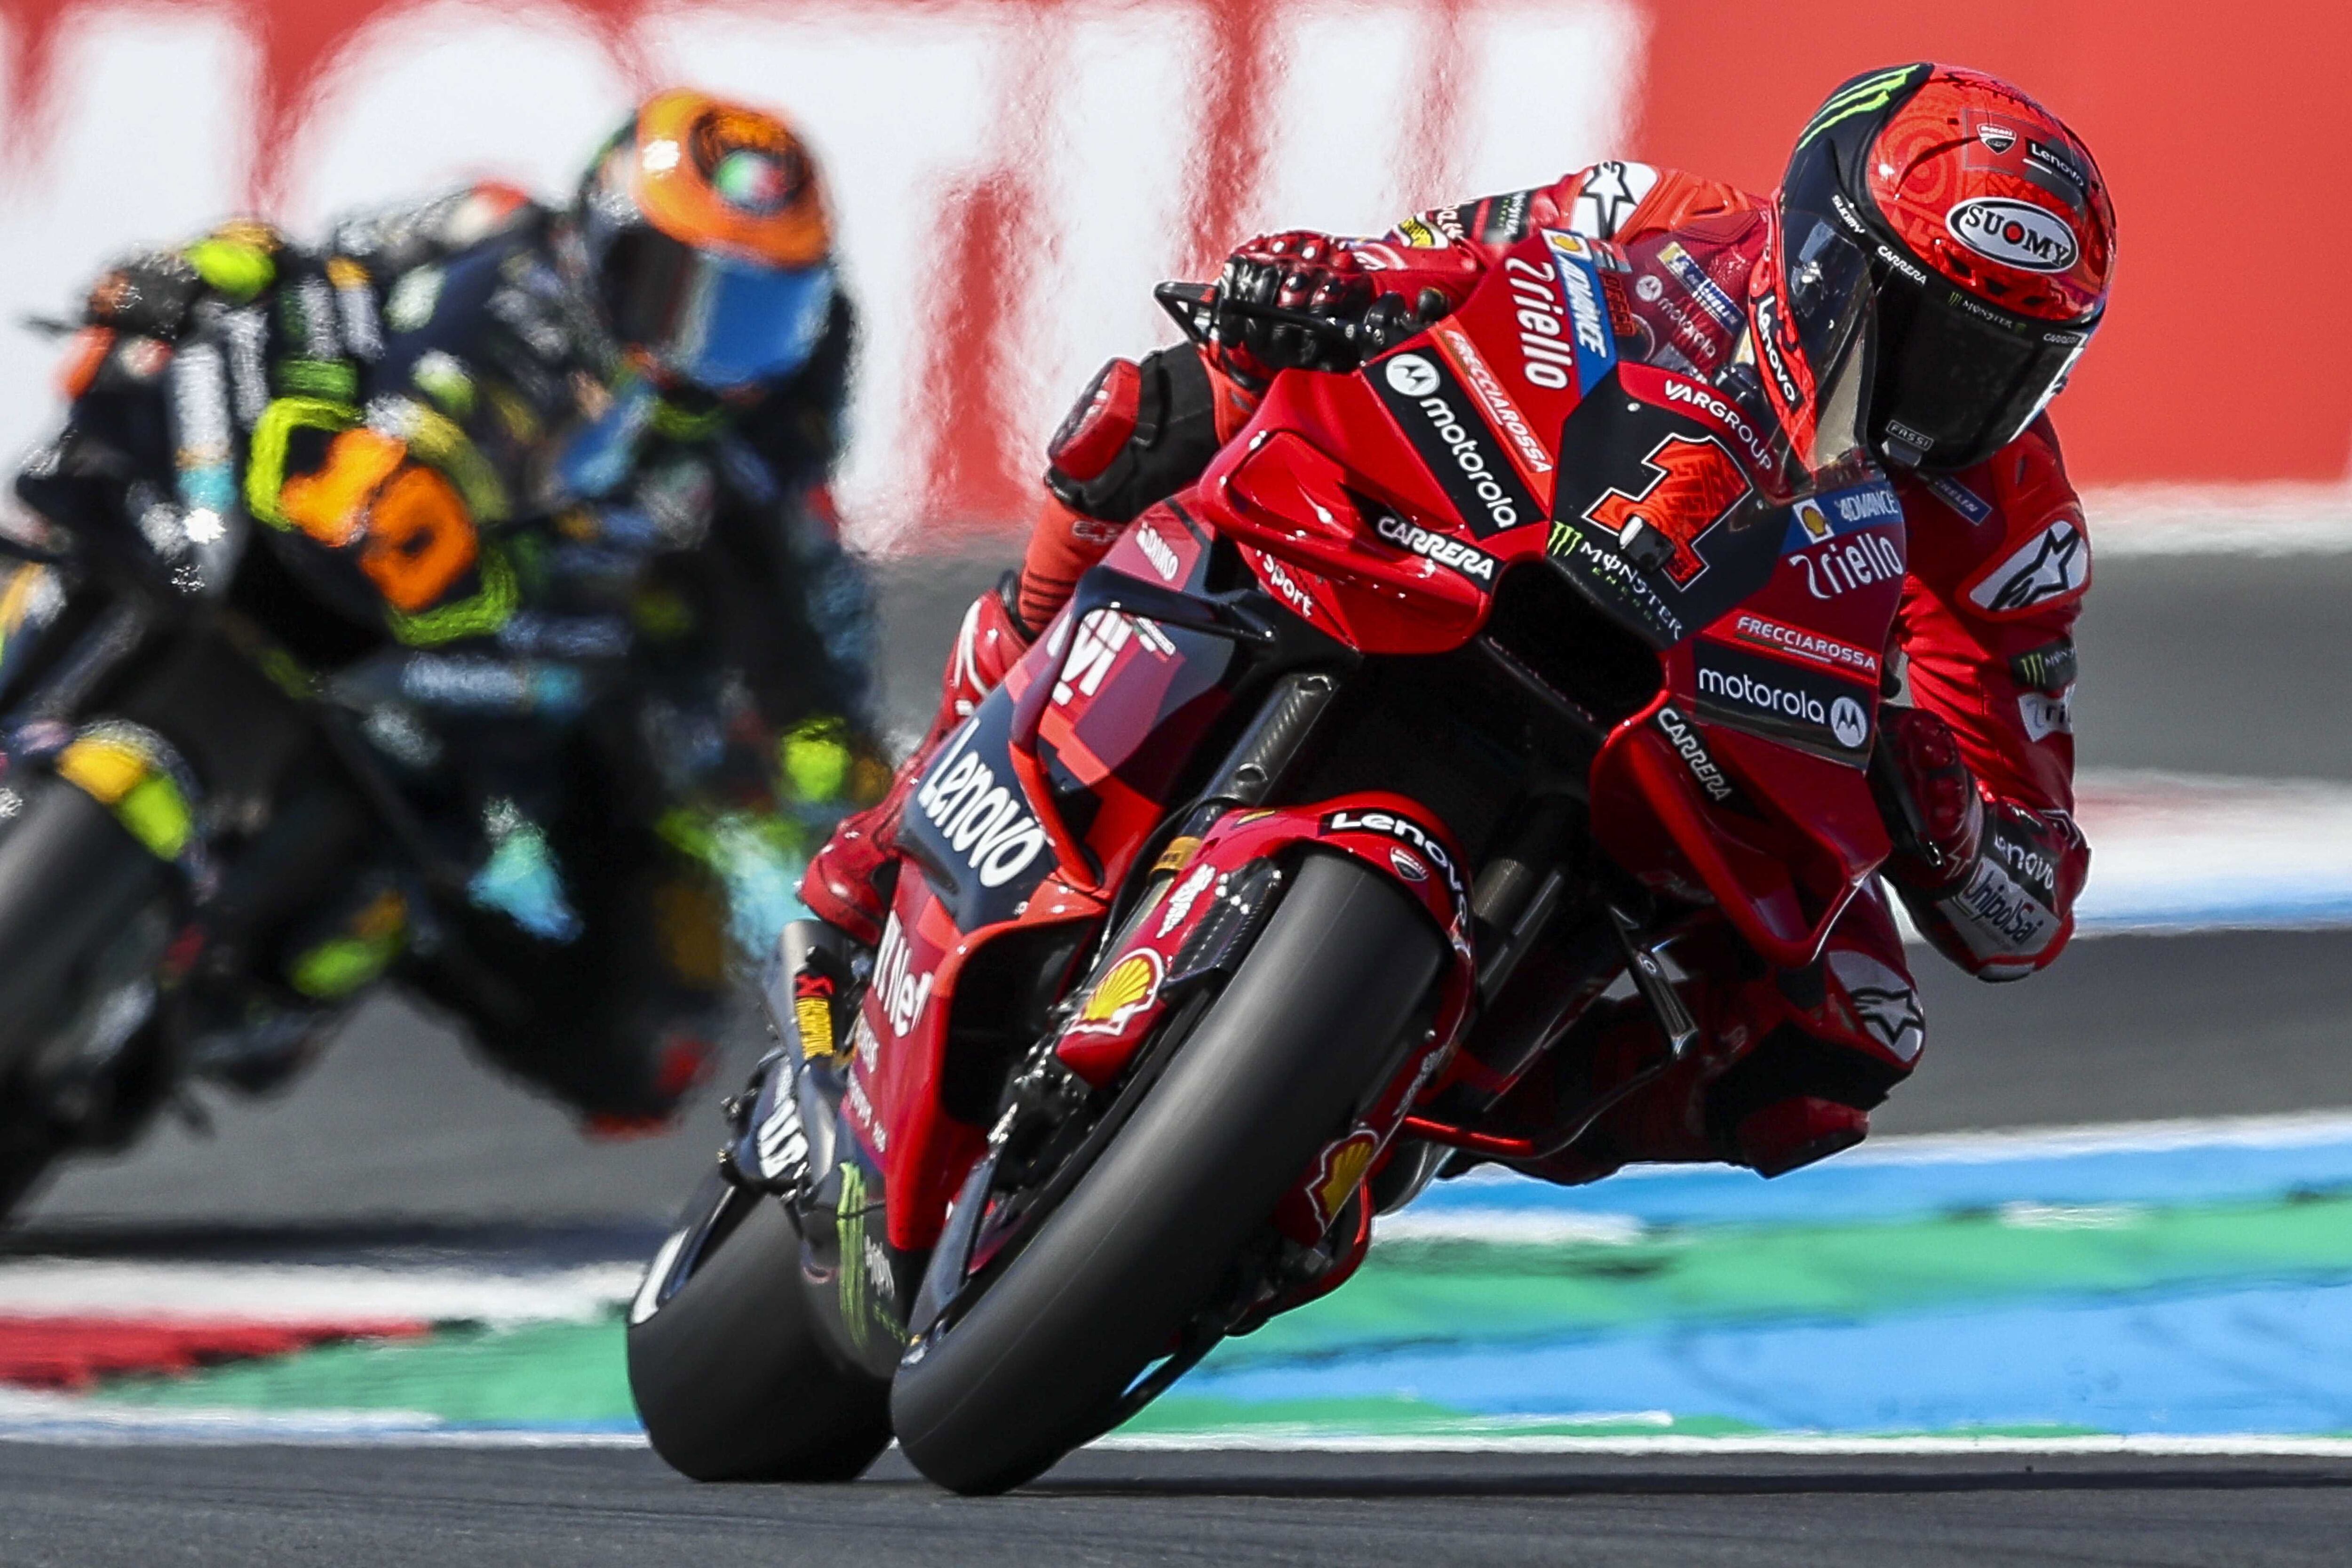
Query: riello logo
[2018, 234]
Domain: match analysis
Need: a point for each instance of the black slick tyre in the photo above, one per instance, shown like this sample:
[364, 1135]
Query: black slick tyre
[732, 1375]
[1298, 1037]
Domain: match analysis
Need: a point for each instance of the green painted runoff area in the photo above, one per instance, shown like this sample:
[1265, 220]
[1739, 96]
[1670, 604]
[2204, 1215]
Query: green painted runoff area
[1431, 1292]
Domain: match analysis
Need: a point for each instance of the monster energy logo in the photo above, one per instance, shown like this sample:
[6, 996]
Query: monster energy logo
[863, 1262]
[1874, 92]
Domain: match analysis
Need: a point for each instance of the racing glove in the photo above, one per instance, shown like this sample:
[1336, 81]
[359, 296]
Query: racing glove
[1295, 271]
[1991, 884]
[1929, 800]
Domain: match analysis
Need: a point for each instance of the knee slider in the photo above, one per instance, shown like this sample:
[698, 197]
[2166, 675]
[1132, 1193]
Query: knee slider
[1140, 433]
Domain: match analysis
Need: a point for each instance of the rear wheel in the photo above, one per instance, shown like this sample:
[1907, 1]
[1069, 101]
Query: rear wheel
[732, 1374]
[1010, 1383]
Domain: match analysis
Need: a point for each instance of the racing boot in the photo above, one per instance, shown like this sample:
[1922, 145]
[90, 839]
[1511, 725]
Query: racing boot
[1674, 1117]
[846, 885]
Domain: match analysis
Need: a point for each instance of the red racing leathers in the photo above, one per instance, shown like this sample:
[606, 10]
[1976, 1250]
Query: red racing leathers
[1790, 1064]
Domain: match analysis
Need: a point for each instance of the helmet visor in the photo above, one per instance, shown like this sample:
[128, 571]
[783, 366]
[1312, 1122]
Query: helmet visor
[712, 320]
[1830, 304]
[1959, 380]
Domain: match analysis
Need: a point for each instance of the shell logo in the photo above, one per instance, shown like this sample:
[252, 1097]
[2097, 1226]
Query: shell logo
[1340, 1172]
[1131, 986]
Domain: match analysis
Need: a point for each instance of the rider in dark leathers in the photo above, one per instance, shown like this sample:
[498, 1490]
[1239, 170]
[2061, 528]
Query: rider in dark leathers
[563, 474]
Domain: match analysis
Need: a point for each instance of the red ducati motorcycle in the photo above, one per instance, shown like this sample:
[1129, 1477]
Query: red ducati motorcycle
[1336, 794]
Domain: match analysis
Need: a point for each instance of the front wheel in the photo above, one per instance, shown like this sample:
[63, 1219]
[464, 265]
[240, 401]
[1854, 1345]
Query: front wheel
[731, 1373]
[1036, 1365]
[76, 951]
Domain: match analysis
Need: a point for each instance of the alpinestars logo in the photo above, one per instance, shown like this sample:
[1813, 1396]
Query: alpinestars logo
[1435, 413]
[1611, 193]
[2055, 561]
[1886, 1006]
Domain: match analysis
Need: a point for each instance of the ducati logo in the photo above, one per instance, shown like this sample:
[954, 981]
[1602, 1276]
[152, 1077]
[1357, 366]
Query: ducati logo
[1998, 137]
[1695, 485]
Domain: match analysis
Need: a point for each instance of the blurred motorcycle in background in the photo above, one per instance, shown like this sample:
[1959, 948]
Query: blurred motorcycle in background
[377, 616]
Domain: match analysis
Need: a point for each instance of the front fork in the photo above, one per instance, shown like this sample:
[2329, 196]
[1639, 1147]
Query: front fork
[787, 1143]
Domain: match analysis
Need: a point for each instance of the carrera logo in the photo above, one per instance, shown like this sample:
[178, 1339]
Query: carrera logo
[1443, 549]
[1432, 408]
[1694, 757]
[983, 823]
[1776, 699]
[2016, 234]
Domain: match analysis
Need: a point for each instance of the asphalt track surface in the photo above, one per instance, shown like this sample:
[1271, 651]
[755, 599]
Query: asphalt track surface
[365, 1508]
[401, 1138]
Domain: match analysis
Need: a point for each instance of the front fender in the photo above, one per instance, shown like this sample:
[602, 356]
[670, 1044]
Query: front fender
[1215, 903]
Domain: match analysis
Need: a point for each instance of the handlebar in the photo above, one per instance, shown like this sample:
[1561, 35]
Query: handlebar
[1195, 307]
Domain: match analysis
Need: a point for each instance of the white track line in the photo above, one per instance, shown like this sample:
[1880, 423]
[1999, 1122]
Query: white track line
[2224, 1446]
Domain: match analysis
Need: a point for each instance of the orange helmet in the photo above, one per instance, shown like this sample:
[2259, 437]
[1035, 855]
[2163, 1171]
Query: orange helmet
[1992, 245]
[703, 241]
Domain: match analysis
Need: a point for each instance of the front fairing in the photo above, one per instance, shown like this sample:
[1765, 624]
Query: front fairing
[1672, 505]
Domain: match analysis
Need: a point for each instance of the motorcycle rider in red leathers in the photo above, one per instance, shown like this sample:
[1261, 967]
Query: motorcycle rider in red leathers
[1991, 241]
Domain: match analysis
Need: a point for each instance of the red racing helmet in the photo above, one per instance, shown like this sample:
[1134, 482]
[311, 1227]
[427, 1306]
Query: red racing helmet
[1990, 242]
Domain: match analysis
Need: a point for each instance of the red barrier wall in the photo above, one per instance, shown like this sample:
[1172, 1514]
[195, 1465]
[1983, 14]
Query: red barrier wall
[2226, 135]
[2223, 132]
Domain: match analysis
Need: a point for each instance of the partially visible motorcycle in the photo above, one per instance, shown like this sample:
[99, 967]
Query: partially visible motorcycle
[219, 697]
[1335, 796]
